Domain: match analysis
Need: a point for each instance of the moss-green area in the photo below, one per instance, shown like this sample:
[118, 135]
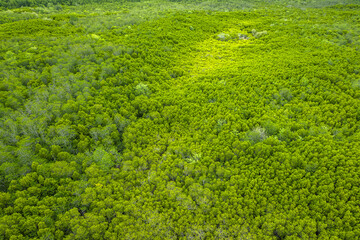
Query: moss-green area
[35, 27]
[180, 120]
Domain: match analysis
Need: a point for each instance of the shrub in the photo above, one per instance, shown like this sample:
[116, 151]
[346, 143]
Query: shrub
[142, 89]
[285, 93]
[271, 128]
[287, 135]
[223, 37]
[356, 84]
[257, 34]
[103, 159]
[256, 135]
[220, 124]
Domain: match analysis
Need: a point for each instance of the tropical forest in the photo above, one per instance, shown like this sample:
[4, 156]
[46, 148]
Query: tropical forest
[179, 119]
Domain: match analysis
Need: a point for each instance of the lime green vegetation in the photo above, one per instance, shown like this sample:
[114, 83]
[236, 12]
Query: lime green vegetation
[179, 120]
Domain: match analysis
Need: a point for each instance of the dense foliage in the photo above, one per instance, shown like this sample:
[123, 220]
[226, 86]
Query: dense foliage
[173, 121]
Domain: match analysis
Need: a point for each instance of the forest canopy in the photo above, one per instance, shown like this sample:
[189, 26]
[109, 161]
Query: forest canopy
[179, 119]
